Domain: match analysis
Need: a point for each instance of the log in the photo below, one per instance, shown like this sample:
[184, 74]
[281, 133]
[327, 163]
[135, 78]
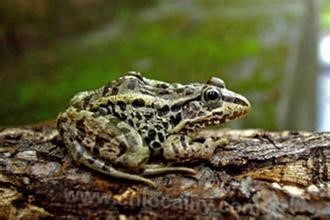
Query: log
[254, 173]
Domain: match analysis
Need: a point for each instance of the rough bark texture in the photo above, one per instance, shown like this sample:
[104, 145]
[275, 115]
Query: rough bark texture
[254, 174]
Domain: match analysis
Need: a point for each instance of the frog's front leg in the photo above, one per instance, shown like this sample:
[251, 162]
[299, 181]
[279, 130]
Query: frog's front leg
[182, 148]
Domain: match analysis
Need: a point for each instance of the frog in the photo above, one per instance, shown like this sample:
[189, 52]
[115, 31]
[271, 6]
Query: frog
[118, 128]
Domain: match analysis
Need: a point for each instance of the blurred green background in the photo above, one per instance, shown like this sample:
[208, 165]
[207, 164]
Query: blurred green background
[51, 49]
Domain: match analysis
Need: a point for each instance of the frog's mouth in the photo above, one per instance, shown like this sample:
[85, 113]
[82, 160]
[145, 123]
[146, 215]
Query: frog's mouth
[233, 106]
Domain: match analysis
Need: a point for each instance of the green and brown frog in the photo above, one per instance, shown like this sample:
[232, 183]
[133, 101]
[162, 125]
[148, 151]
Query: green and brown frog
[117, 128]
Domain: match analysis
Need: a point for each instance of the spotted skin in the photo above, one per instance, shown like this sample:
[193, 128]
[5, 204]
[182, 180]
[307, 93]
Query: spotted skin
[117, 128]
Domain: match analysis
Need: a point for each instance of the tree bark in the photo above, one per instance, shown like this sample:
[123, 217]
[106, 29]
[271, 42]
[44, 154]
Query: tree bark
[254, 173]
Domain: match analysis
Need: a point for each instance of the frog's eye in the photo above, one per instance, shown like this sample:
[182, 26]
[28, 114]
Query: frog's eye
[211, 95]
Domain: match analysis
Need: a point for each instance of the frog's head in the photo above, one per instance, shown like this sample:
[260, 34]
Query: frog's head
[211, 104]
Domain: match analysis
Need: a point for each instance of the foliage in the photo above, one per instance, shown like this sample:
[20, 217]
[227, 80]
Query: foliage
[177, 42]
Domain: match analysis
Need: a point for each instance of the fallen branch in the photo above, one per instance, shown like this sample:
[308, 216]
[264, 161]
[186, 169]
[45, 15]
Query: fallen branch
[254, 174]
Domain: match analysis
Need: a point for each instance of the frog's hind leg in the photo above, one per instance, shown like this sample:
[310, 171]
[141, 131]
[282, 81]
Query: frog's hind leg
[83, 156]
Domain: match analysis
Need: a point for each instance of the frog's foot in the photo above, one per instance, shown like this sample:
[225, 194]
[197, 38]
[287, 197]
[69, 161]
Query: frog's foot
[155, 169]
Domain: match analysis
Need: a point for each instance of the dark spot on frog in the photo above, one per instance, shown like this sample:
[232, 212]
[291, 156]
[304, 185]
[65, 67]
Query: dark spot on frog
[114, 91]
[90, 160]
[122, 147]
[144, 128]
[130, 122]
[188, 92]
[106, 89]
[125, 130]
[136, 75]
[111, 106]
[148, 116]
[200, 140]
[234, 100]
[138, 116]
[147, 140]
[175, 150]
[86, 101]
[162, 85]
[146, 92]
[152, 134]
[138, 103]
[180, 90]
[188, 130]
[174, 120]
[62, 120]
[110, 103]
[294, 133]
[164, 92]
[183, 142]
[165, 125]
[161, 137]
[163, 110]
[123, 116]
[235, 114]
[116, 114]
[122, 105]
[80, 125]
[217, 113]
[158, 127]
[223, 120]
[80, 136]
[201, 113]
[104, 168]
[240, 102]
[156, 145]
[99, 142]
[175, 107]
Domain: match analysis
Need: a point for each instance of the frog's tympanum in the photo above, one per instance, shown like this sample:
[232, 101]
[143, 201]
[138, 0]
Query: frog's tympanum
[117, 128]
